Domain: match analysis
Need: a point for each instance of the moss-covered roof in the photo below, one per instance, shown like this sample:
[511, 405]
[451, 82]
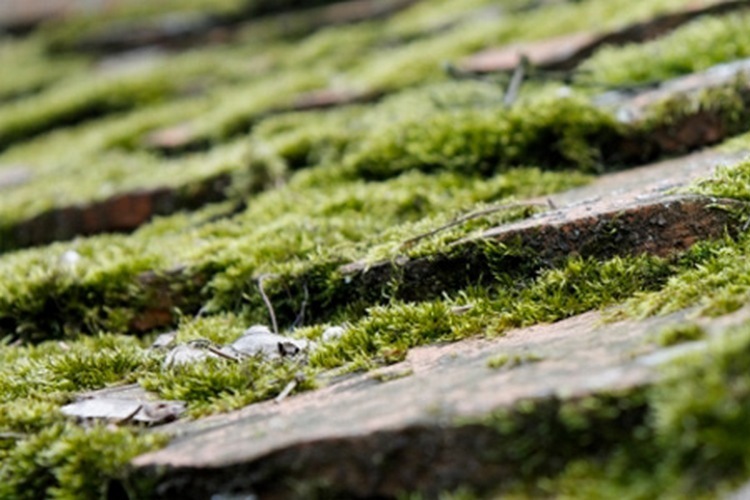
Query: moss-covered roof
[180, 167]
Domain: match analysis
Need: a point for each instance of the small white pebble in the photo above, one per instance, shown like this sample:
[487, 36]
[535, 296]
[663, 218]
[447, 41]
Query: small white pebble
[333, 333]
[185, 354]
[70, 258]
[164, 340]
[260, 340]
[257, 329]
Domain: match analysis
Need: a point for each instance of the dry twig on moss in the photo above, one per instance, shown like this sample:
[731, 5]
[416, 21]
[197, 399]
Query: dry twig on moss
[474, 215]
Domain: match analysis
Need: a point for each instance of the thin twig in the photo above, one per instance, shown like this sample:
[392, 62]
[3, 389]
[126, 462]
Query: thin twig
[516, 81]
[130, 416]
[201, 311]
[221, 353]
[12, 435]
[468, 217]
[535, 73]
[287, 390]
[301, 316]
[271, 312]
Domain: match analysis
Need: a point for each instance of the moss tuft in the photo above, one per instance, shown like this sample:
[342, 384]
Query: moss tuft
[67, 461]
[512, 360]
[678, 334]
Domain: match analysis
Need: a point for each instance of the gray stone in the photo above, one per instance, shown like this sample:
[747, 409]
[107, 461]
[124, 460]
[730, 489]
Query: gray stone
[124, 404]
[258, 340]
[185, 354]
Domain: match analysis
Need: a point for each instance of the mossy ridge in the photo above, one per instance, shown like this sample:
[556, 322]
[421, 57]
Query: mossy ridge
[458, 126]
[694, 47]
[70, 104]
[385, 333]
[714, 275]
[380, 142]
[71, 183]
[301, 263]
[383, 336]
[416, 64]
[88, 30]
[276, 233]
[76, 100]
[33, 71]
[572, 149]
[40, 453]
[67, 461]
[723, 110]
[568, 133]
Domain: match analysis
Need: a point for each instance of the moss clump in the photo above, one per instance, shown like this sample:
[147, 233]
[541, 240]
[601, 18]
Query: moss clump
[33, 70]
[42, 455]
[538, 438]
[579, 285]
[220, 385]
[67, 461]
[700, 407]
[512, 360]
[694, 47]
[678, 334]
[385, 333]
[727, 182]
[556, 133]
[713, 277]
[70, 104]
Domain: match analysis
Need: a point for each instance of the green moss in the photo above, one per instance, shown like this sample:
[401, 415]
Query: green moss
[693, 442]
[221, 385]
[512, 360]
[568, 133]
[71, 103]
[33, 71]
[724, 106]
[727, 182]
[349, 184]
[47, 456]
[577, 286]
[701, 420]
[67, 461]
[68, 182]
[538, 438]
[384, 377]
[694, 47]
[713, 278]
[678, 334]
